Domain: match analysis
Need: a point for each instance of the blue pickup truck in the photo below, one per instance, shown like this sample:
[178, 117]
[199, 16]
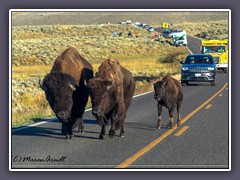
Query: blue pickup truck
[198, 68]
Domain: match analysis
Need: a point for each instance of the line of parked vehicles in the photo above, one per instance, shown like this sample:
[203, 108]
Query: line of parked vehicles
[179, 36]
[138, 24]
[200, 67]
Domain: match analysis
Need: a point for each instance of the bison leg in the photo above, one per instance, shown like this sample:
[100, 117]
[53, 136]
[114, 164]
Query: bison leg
[103, 132]
[178, 111]
[81, 126]
[170, 123]
[112, 129]
[64, 129]
[78, 124]
[159, 121]
[122, 131]
[69, 127]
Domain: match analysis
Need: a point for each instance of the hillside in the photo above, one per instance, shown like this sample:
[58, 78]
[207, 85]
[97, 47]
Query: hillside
[80, 18]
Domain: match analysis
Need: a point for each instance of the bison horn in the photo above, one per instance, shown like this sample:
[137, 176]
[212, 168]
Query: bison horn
[72, 87]
[165, 83]
[109, 87]
[85, 82]
[42, 85]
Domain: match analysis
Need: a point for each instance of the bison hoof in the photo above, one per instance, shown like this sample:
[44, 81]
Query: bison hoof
[101, 136]
[111, 135]
[171, 126]
[178, 124]
[69, 136]
[82, 131]
[121, 134]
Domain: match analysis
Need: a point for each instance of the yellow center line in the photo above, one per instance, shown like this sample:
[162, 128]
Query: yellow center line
[208, 106]
[181, 131]
[167, 133]
[204, 104]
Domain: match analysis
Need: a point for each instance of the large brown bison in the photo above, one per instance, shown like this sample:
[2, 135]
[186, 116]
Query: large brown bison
[111, 92]
[168, 93]
[66, 91]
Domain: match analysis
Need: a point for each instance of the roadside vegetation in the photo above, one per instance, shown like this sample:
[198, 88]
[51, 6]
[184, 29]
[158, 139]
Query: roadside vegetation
[207, 30]
[35, 48]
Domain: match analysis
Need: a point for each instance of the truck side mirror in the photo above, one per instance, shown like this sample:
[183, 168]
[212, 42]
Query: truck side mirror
[181, 62]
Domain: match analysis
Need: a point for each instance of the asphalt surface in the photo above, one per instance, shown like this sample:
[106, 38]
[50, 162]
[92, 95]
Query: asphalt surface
[203, 144]
[194, 45]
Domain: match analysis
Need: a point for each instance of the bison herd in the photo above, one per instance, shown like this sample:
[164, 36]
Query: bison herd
[71, 81]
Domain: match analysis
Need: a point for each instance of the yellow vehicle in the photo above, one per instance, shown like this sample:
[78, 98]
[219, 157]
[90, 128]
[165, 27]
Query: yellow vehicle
[219, 51]
[165, 25]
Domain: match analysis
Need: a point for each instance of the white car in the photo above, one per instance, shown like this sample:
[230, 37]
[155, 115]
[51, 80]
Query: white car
[150, 28]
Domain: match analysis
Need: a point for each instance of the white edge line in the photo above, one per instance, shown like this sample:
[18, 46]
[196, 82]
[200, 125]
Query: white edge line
[189, 50]
[39, 123]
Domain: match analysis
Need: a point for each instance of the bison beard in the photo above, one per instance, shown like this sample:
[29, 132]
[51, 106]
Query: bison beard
[66, 90]
[168, 93]
[111, 93]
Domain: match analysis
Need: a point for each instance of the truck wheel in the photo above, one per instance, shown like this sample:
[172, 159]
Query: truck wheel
[225, 70]
[184, 83]
[213, 83]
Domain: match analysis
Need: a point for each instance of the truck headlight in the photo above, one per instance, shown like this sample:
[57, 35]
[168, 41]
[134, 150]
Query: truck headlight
[185, 68]
[210, 68]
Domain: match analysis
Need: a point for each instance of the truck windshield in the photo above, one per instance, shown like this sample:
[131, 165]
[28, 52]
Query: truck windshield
[214, 49]
[199, 60]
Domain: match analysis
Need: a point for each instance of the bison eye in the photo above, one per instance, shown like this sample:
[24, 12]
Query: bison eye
[104, 96]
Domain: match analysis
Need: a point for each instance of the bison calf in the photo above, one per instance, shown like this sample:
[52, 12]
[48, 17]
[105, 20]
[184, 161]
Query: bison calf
[168, 93]
[66, 90]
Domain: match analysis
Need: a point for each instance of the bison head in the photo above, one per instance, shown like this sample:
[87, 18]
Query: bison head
[108, 69]
[160, 89]
[101, 94]
[59, 88]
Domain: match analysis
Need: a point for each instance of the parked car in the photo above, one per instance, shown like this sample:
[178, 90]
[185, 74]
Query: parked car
[198, 68]
[145, 26]
[167, 33]
[150, 28]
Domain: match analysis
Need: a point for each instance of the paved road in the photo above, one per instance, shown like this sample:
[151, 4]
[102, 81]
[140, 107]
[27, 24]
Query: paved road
[194, 44]
[200, 142]
[203, 145]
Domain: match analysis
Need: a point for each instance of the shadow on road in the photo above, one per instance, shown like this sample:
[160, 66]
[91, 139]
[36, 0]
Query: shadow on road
[51, 129]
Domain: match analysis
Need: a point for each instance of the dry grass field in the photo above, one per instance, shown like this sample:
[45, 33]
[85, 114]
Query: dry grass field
[36, 46]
